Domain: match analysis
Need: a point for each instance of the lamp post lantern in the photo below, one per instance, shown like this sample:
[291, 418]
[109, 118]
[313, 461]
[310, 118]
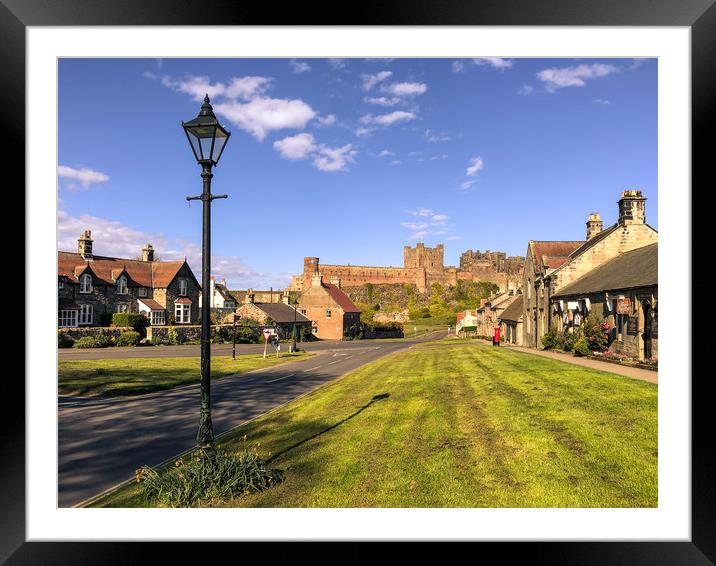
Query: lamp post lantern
[207, 139]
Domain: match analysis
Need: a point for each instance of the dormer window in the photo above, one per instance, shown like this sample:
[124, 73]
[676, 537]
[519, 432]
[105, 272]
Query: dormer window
[122, 285]
[183, 287]
[85, 283]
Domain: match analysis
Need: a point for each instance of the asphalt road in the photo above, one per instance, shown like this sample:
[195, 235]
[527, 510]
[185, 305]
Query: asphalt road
[103, 441]
[194, 350]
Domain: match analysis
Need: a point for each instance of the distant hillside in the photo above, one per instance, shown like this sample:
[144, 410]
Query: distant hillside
[440, 300]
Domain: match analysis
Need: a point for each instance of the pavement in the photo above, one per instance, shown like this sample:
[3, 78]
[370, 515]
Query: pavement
[103, 441]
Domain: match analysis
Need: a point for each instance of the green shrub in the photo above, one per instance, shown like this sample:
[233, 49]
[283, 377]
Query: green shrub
[550, 341]
[596, 329]
[130, 338]
[581, 347]
[568, 339]
[130, 319]
[198, 480]
[99, 340]
[422, 312]
[64, 341]
[85, 342]
[172, 336]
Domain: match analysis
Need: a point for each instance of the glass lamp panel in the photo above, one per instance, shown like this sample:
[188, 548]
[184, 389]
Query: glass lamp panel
[206, 147]
[219, 143]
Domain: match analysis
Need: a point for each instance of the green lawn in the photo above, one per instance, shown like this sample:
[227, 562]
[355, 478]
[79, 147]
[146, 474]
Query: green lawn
[459, 426]
[143, 375]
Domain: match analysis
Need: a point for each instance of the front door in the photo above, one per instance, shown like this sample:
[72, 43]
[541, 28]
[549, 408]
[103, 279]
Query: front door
[647, 331]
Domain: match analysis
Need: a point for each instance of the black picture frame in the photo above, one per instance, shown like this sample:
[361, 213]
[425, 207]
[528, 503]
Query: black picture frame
[699, 15]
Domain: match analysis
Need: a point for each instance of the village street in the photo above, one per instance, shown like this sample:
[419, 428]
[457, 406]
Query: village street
[103, 441]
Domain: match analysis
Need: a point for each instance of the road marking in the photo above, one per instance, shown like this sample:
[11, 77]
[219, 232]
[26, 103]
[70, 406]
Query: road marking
[330, 363]
[280, 378]
[311, 369]
[349, 357]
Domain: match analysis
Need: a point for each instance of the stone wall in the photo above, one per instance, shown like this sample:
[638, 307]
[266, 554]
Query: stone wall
[185, 333]
[81, 332]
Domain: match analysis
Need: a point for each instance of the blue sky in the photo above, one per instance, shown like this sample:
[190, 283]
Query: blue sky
[350, 160]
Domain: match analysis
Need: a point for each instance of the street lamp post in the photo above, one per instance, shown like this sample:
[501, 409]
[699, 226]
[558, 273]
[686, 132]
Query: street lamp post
[207, 139]
[293, 332]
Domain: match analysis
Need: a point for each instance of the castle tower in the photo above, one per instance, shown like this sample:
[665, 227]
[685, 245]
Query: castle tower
[632, 208]
[594, 225]
[84, 245]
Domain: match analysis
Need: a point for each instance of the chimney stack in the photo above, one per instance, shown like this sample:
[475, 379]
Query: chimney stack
[84, 247]
[316, 279]
[249, 298]
[335, 280]
[594, 225]
[286, 298]
[148, 252]
[632, 208]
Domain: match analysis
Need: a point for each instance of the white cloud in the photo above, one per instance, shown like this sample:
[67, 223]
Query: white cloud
[414, 225]
[601, 101]
[453, 238]
[388, 119]
[244, 88]
[263, 115]
[555, 78]
[149, 75]
[84, 175]
[419, 235]
[395, 162]
[436, 137]
[334, 158]
[385, 153]
[363, 132]
[421, 212]
[382, 100]
[115, 239]
[476, 164]
[525, 90]
[406, 89]
[458, 66]
[440, 217]
[337, 64]
[327, 120]
[299, 67]
[467, 184]
[495, 62]
[299, 146]
[369, 81]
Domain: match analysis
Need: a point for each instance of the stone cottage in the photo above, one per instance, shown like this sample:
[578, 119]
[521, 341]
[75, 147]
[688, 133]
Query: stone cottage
[90, 288]
[332, 314]
[510, 321]
[282, 316]
[624, 291]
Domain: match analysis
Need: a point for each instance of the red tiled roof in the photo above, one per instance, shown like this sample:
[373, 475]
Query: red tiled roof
[555, 249]
[183, 301]
[152, 304]
[341, 298]
[156, 274]
[554, 262]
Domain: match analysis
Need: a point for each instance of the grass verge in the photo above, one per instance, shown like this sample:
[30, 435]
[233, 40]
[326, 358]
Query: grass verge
[136, 376]
[473, 426]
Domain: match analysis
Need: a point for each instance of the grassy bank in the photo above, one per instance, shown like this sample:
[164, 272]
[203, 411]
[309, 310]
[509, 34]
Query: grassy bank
[458, 426]
[144, 375]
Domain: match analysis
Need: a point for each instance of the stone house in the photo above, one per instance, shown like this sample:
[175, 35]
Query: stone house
[489, 312]
[219, 296]
[90, 287]
[510, 320]
[550, 266]
[332, 314]
[281, 316]
[624, 291]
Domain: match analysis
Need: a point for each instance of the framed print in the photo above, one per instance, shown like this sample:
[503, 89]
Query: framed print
[311, 105]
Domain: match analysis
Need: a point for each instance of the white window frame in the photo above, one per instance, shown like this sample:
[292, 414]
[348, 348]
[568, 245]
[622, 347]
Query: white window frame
[180, 310]
[122, 308]
[142, 292]
[157, 318]
[122, 285]
[85, 315]
[85, 288]
[67, 318]
[328, 314]
[183, 287]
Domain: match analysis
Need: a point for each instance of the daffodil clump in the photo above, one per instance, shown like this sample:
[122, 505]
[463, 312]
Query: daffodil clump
[197, 480]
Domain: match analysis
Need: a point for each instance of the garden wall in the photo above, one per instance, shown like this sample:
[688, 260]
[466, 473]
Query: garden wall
[188, 333]
[81, 332]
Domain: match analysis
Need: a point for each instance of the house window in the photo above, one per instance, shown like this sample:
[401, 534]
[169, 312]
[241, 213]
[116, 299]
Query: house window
[142, 292]
[182, 313]
[67, 319]
[315, 329]
[122, 285]
[86, 283]
[303, 311]
[183, 287]
[122, 308]
[86, 312]
[328, 314]
[157, 318]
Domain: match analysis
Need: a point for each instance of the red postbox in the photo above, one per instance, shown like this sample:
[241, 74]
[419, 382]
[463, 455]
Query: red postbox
[496, 336]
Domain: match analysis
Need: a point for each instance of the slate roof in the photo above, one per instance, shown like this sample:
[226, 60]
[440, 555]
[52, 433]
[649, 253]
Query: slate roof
[341, 298]
[513, 312]
[155, 274]
[629, 270]
[281, 312]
